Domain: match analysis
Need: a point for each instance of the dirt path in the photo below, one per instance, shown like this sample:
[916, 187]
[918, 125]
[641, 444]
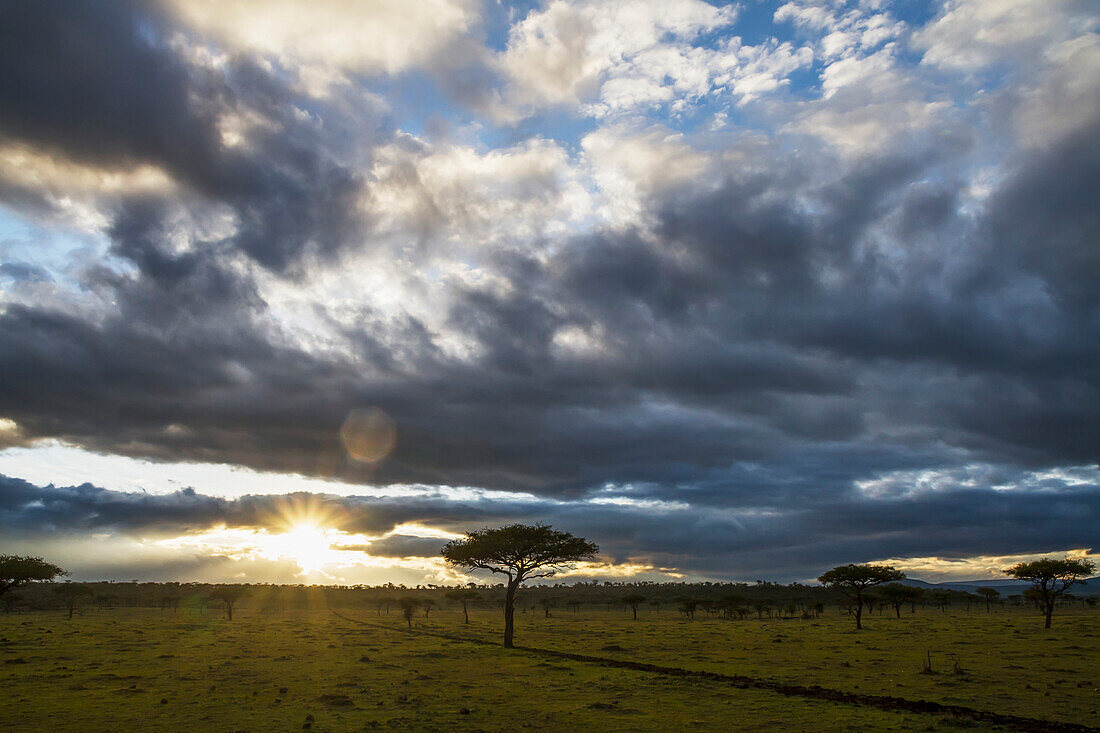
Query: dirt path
[813, 692]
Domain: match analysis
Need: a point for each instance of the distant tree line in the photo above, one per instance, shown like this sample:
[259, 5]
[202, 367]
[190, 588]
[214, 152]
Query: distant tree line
[26, 585]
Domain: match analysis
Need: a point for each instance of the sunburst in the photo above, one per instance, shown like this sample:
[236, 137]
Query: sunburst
[303, 528]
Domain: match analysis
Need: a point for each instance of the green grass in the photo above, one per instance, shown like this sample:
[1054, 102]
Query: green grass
[111, 670]
[1008, 662]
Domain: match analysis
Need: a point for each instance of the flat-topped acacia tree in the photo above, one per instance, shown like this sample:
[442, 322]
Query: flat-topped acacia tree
[520, 552]
[229, 595]
[1051, 578]
[464, 596]
[854, 580]
[18, 570]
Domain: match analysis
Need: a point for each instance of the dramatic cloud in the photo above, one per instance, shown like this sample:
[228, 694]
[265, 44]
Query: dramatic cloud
[923, 513]
[725, 290]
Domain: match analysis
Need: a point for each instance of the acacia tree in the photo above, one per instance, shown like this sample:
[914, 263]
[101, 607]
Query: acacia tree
[519, 552]
[634, 600]
[18, 570]
[464, 596]
[1050, 579]
[408, 606]
[988, 595]
[228, 595]
[72, 594]
[854, 580]
[897, 594]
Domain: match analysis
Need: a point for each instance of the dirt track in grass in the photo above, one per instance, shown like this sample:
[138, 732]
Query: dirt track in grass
[815, 692]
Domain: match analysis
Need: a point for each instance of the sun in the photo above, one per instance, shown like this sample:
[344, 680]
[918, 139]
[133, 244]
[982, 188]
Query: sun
[302, 529]
[307, 544]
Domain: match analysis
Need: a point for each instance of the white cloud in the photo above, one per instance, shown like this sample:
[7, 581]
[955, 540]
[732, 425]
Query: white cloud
[629, 167]
[466, 196]
[608, 58]
[326, 37]
[1064, 97]
[765, 68]
[1048, 51]
[975, 34]
[866, 113]
[853, 69]
[844, 31]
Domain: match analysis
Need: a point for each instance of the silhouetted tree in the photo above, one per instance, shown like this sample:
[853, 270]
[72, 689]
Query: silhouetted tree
[988, 595]
[464, 596]
[547, 604]
[408, 606]
[428, 605]
[227, 595]
[854, 580]
[687, 605]
[1051, 578]
[17, 570]
[896, 594]
[941, 598]
[519, 552]
[72, 594]
[634, 600]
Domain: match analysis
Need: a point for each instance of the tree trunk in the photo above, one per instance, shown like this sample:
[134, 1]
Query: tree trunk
[510, 612]
[898, 609]
[635, 610]
[859, 614]
[1048, 612]
[465, 613]
[72, 607]
[229, 610]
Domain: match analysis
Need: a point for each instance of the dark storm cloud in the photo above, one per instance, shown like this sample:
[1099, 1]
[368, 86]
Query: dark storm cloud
[28, 508]
[101, 83]
[405, 546]
[87, 80]
[717, 352]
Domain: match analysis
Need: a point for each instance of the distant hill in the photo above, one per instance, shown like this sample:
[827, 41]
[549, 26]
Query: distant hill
[1006, 586]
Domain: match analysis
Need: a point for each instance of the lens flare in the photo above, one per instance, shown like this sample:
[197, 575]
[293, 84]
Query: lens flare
[368, 434]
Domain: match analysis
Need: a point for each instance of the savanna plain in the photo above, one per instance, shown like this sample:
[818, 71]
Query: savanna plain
[360, 668]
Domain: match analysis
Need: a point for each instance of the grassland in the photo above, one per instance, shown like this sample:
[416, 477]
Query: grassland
[127, 669]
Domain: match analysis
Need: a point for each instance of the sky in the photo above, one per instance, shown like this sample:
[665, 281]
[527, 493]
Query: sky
[297, 292]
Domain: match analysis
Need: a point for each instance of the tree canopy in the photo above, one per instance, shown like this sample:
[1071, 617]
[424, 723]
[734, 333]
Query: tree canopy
[464, 596]
[854, 580]
[1051, 578]
[17, 570]
[229, 595]
[898, 594]
[520, 552]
